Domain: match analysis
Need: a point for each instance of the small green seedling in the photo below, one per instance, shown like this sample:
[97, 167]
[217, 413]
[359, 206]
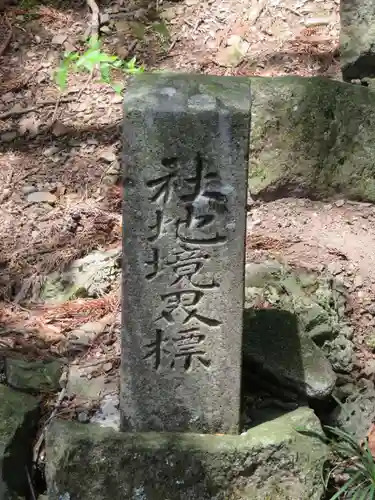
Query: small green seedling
[92, 61]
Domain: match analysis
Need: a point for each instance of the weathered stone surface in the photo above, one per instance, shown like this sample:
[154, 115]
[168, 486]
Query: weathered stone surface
[340, 352]
[18, 420]
[41, 197]
[357, 39]
[271, 461]
[311, 137]
[33, 375]
[284, 312]
[83, 385]
[91, 276]
[319, 303]
[185, 194]
[82, 337]
[273, 343]
[355, 414]
[108, 413]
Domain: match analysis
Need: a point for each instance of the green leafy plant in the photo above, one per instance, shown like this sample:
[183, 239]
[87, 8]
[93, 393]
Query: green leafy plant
[94, 61]
[352, 461]
[355, 462]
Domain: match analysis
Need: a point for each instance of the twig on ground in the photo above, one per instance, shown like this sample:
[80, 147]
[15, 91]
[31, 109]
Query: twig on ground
[293, 11]
[197, 24]
[257, 12]
[90, 77]
[32, 491]
[55, 110]
[172, 45]
[41, 438]
[22, 111]
[98, 362]
[95, 21]
[132, 46]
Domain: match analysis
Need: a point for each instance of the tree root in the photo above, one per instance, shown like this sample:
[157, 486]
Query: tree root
[95, 18]
[22, 111]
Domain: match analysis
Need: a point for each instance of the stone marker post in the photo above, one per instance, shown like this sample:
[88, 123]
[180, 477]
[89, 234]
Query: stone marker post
[186, 160]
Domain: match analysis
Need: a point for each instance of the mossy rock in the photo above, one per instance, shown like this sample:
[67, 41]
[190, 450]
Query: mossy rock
[311, 137]
[273, 343]
[19, 415]
[317, 302]
[33, 376]
[357, 39]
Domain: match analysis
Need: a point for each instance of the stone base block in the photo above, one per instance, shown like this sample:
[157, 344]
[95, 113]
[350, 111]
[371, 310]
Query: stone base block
[271, 461]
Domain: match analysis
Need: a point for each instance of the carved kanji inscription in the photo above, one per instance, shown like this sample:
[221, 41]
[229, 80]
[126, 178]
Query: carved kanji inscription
[184, 231]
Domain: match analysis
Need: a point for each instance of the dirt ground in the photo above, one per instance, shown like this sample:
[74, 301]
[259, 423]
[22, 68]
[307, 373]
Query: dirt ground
[66, 146]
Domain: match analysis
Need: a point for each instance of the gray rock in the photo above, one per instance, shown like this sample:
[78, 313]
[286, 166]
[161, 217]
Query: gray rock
[83, 417]
[94, 391]
[7, 97]
[290, 116]
[234, 53]
[52, 150]
[86, 333]
[274, 344]
[291, 309]
[347, 331]
[59, 39]
[104, 18]
[340, 352]
[184, 214]
[272, 461]
[258, 275]
[108, 155]
[355, 414]
[38, 376]
[41, 197]
[59, 129]
[105, 29]
[8, 136]
[91, 276]
[369, 368]
[29, 188]
[84, 386]
[317, 302]
[108, 414]
[18, 427]
[371, 308]
[311, 22]
[317, 323]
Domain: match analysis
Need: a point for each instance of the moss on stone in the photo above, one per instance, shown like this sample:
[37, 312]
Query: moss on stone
[312, 137]
[91, 462]
[18, 419]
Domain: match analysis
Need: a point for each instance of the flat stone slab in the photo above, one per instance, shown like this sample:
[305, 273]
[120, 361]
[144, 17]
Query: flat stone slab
[186, 161]
[271, 461]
